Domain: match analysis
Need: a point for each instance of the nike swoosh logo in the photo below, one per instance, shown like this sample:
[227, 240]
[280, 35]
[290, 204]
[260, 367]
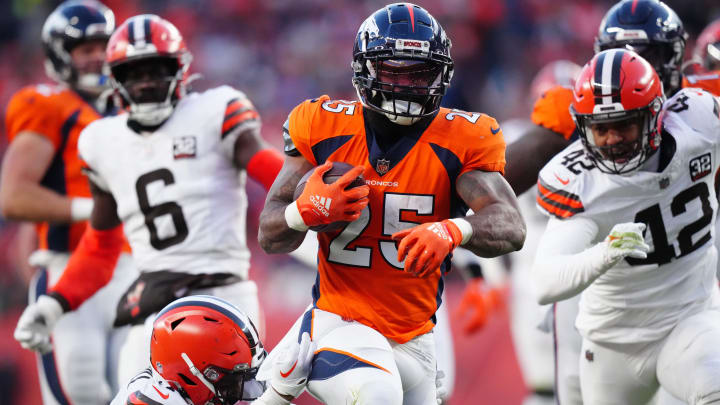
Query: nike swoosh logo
[561, 180]
[495, 130]
[284, 375]
[166, 396]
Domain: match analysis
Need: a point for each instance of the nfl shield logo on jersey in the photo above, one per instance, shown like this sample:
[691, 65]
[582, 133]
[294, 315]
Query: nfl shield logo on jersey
[184, 147]
[382, 166]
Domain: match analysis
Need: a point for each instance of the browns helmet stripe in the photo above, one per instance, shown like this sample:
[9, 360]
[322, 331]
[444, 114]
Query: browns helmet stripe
[615, 76]
[148, 31]
[597, 79]
[131, 32]
[606, 83]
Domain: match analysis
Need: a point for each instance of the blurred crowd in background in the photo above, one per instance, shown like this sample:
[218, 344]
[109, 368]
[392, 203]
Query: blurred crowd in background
[281, 52]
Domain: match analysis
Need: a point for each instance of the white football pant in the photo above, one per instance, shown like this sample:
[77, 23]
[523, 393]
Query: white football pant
[135, 352]
[444, 349]
[686, 363]
[81, 368]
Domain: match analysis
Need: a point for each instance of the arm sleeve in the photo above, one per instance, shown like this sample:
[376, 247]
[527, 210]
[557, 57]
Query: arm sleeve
[565, 262]
[264, 166]
[486, 148]
[552, 111]
[31, 111]
[91, 266]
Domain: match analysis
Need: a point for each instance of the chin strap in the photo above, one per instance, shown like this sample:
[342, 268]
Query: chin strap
[194, 370]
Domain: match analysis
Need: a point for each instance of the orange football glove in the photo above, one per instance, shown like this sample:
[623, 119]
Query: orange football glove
[425, 246]
[321, 204]
[480, 300]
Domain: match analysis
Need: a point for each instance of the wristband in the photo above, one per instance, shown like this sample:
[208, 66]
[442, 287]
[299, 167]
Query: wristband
[293, 218]
[465, 229]
[80, 208]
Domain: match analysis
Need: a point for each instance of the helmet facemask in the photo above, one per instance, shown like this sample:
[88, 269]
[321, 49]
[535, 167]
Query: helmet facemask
[402, 74]
[712, 57]
[403, 89]
[623, 157]
[226, 386]
[150, 87]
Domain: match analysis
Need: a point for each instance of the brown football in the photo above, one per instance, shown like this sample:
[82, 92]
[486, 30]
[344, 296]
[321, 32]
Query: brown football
[335, 172]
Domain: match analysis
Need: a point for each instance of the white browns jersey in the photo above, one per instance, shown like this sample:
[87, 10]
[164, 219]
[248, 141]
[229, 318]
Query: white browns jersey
[148, 388]
[178, 194]
[640, 300]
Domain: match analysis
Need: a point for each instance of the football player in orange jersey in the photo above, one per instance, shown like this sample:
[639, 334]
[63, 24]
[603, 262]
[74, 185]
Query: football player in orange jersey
[42, 183]
[380, 278]
[630, 24]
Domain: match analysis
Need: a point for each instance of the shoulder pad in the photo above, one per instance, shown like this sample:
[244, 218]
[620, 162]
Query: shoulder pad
[475, 138]
[697, 108]
[303, 127]
[709, 82]
[38, 109]
[474, 121]
[238, 111]
[552, 111]
[558, 181]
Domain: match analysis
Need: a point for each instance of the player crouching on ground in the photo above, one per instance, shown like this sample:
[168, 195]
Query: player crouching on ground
[203, 350]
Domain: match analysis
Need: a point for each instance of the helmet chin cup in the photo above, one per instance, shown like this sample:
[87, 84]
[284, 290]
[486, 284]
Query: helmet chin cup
[150, 114]
[92, 83]
[402, 106]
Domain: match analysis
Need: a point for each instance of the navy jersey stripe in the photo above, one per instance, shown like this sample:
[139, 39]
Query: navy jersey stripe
[438, 296]
[306, 325]
[328, 364]
[323, 149]
[58, 236]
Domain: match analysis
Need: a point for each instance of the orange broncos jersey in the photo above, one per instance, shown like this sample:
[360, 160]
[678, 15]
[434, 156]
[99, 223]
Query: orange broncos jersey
[552, 111]
[413, 182]
[58, 114]
[709, 82]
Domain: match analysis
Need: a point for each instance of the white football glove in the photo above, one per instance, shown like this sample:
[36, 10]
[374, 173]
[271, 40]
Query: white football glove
[292, 368]
[36, 324]
[625, 240]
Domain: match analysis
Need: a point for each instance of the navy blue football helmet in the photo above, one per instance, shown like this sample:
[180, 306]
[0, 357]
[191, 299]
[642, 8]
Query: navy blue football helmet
[651, 29]
[70, 24]
[401, 63]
